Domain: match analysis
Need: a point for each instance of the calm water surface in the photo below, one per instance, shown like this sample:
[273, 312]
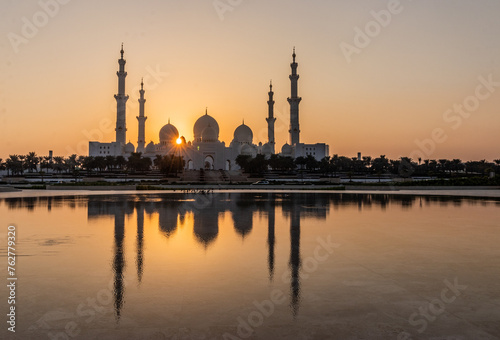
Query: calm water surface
[258, 266]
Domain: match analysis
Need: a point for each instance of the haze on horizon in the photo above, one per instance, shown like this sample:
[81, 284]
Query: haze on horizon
[405, 83]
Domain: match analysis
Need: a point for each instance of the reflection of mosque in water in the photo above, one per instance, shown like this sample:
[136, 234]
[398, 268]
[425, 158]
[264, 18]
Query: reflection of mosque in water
[206, 210]
[172, 210]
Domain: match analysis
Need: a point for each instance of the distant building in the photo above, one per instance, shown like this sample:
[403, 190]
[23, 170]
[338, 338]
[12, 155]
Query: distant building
[206, 150]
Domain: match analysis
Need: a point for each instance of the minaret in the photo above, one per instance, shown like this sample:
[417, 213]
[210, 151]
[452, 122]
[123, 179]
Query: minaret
[141, 143]
[270, 119]
[121, 103]
[294, 101]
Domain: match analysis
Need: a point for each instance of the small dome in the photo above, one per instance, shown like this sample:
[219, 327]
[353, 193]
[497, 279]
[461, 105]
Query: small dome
[202, 123]
[150, 148]
[286, 149]
[169, 134]
[243, 134]
[209, 135]
[129, 148]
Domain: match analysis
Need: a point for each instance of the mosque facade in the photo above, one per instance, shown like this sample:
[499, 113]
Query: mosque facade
[206, 151]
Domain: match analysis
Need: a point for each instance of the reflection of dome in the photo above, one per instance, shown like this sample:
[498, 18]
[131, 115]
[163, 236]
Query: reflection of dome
[243, 134]
[202, 123]
[286, 149]
[168, 134]
[150, 148]
[129, 148]
[209, 134]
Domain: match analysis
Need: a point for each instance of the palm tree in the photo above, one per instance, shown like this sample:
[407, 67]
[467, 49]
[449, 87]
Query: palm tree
[100, 163]
[324, 165]
[88, 163]
[457, 165]
[300, 161]
[442, 163]
[497, 167]
[110, 162]
[45, 162]
[71, 163]
[334, 162]
[311, 163]
[58, 164]
[13, 165]
[157, 161]
[22, 158]
[32, 161]
[120, 162]
[367, 162]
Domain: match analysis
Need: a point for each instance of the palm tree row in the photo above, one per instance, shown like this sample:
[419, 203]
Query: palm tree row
[405, 167]
[31, 163]
[367, 165]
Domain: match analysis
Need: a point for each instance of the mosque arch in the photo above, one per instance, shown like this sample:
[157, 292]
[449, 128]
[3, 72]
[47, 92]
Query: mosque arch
[209, 162]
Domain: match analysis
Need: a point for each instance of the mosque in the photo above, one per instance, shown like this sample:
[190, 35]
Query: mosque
[206, 151]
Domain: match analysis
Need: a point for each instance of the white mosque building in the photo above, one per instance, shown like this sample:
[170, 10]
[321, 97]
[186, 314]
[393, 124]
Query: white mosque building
[206, 150]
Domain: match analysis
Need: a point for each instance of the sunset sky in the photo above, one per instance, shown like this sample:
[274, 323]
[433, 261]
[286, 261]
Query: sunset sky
[403, 85]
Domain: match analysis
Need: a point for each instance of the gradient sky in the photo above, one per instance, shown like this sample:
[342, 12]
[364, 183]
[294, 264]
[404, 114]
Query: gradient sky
[56, 90]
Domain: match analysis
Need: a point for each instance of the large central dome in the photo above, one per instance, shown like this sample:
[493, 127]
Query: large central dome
[202, 123]
[168, 134]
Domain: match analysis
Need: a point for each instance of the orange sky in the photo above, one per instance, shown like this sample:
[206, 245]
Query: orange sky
[57, 81]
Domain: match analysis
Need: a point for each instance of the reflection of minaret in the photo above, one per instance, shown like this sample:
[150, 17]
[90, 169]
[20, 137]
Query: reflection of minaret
[270, 119]
[141, 142]
[121, 103]
[295, 258]
[140, 242]
[270, 238]
[119, 262]
[294, 101]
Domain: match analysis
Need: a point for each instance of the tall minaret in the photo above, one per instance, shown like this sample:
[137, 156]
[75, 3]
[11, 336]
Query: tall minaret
[121, 103]
[294, 101]
[270, 120]
[142, 121]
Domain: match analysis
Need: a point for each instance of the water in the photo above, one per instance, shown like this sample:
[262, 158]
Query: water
[258, 266]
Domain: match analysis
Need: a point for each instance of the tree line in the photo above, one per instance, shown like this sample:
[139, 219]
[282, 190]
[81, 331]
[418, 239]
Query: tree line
[18, 165]
[332, 166]
[404, 166]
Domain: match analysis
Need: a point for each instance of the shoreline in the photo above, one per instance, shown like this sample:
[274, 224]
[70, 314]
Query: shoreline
[472, 192]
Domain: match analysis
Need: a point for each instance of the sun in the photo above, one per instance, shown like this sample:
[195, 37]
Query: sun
[178, 141]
